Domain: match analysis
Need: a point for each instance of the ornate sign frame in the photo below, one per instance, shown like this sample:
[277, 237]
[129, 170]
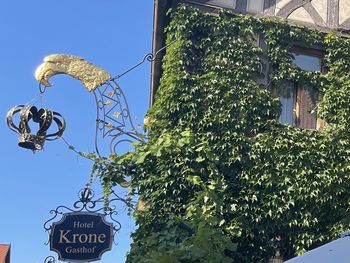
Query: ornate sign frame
[88, 208]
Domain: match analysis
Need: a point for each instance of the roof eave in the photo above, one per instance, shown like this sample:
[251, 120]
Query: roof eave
[160, 20]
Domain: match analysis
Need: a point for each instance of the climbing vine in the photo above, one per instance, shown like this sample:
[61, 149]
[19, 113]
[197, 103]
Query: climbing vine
[220, 179]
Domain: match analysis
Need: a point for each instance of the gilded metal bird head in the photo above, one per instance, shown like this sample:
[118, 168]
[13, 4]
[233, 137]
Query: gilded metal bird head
[90, 75]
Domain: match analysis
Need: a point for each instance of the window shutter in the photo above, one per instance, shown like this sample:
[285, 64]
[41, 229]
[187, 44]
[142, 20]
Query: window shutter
[304, 118]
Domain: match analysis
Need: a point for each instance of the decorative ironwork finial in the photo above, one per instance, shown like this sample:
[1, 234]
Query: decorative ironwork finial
[44, 117]
[50, 259]
[86, 194]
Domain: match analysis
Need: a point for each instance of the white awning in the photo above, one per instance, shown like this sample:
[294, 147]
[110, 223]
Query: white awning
[337, 251]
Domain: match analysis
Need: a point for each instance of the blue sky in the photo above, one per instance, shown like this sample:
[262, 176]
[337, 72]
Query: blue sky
[114, 35]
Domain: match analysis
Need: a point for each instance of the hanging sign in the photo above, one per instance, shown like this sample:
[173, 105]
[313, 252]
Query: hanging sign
[81, 237]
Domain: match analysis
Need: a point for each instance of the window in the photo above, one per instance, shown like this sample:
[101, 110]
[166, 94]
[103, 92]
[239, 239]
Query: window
[223, 3]
[298, 100]
[255, 6]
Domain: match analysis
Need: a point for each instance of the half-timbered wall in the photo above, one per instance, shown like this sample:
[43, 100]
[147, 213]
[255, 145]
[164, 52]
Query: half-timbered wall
[332, 14]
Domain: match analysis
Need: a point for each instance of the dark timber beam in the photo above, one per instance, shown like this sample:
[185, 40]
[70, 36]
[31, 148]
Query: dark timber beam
[333, 14]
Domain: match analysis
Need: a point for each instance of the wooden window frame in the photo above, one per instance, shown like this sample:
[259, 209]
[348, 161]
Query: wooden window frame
[313, 52]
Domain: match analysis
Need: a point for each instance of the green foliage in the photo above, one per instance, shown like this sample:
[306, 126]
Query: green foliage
[221, 179]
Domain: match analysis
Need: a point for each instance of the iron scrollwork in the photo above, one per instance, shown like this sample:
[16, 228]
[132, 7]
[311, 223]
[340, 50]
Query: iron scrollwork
[50, 259]
[113, 116]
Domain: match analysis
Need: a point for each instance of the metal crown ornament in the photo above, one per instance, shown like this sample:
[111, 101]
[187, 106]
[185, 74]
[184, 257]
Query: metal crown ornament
[43, 117]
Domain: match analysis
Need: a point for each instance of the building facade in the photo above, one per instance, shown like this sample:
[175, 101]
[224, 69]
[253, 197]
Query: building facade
[5, 253]
[239, 165]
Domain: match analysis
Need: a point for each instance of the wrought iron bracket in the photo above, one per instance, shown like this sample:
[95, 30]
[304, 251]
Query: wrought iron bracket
[113, 115]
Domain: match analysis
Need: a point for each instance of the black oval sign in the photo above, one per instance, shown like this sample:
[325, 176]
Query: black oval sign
[81, 236]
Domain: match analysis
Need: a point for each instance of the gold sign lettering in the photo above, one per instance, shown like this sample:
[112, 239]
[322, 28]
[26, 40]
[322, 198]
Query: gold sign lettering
[63, 234]
[78, 224]
[83, 249]
[81, 238]
[101, 238]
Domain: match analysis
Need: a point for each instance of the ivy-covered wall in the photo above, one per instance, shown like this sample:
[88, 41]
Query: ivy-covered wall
[221, 179]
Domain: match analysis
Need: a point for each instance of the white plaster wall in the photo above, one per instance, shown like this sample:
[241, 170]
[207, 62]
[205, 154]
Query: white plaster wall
[344, 11]
[280, 4]
[302, 15]
[321, 8]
